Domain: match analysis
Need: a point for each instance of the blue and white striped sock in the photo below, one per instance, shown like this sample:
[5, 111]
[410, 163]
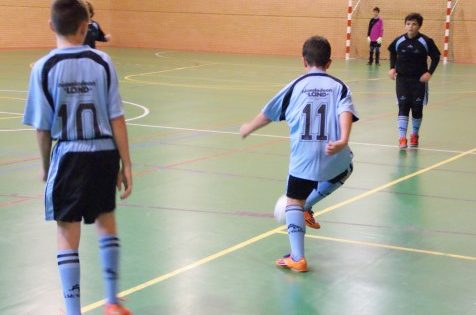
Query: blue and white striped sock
[68, 267]
[416, 124]
[296, 230]
[402, 126]
[109, 252]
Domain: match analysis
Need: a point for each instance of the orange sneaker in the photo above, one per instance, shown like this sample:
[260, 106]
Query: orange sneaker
[310, 220]
[402, 143]
[414, 140]
[116, 309]
[288, 262]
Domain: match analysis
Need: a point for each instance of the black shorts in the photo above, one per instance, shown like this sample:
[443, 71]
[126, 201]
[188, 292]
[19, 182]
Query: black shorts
[299, 188]
[375, 45]
[411, 92]
[85, 186]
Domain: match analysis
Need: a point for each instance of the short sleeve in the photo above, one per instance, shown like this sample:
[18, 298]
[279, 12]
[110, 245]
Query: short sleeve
[38, 111]
[272, 110]
[345, 104]
[115, 108]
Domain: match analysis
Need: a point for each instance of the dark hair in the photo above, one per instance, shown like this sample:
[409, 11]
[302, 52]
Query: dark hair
[67, 16]
[376, 9]
[316, 51]
[415, 17]
[90, 8]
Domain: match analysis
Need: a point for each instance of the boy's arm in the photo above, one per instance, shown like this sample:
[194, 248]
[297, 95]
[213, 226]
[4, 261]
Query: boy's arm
[259, 121]
[345, 122]
[434, 56]
[393, 60]
[44, 142]
[124, 177]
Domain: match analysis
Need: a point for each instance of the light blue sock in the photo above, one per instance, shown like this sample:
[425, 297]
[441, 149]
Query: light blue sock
[109, 252]
[296, 230]
[416, 123]
[68, 267]
[402, 126]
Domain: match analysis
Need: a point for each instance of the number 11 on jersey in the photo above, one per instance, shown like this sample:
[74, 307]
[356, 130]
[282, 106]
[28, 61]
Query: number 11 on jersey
[310, 120]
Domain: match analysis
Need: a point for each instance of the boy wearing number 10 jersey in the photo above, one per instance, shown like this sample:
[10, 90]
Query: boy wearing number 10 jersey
[319, 111]
[73, 98]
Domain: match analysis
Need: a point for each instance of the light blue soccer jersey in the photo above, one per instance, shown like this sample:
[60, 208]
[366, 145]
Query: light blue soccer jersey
[73, 92]
[311, 106]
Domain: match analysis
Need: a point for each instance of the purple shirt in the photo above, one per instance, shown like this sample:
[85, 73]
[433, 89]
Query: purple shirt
[375, 29]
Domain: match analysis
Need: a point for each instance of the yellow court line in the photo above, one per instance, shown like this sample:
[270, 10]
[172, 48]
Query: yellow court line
[130, 78]
[400, 248]
[185, 268]
[200, 86]
[127, 77]
[393, 183]
[266, 234]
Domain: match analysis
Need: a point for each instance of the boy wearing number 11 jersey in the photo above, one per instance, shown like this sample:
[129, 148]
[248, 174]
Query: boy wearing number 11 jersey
[73, 98]
[319, 111]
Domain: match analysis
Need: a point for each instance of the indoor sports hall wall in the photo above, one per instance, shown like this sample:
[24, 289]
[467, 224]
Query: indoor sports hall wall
[235, 26]
[244, 26]
[24, 23]
[462, 45]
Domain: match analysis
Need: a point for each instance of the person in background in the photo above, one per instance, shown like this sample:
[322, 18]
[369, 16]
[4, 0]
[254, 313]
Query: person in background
[95, 33]
[374, 37]
[409, 66]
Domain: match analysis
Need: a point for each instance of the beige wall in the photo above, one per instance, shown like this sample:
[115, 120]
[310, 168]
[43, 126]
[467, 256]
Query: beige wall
[240, 26]
[462, 28]
[243, 26]
[24, 23]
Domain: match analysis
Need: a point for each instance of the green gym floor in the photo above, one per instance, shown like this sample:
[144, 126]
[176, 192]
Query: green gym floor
[198, 236]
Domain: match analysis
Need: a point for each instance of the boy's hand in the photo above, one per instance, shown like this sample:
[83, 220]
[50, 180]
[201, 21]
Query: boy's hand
[125, 178]
[245, 130]
[392, 74]
[334, 147]
[44, 175]
[425, 77]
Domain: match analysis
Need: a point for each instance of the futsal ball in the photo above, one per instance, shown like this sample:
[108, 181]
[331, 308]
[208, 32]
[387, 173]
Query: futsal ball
[280, 209]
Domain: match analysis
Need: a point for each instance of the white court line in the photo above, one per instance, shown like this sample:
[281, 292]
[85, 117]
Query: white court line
[147, 112]
[13, 91]
[284, 137]
[144, 108]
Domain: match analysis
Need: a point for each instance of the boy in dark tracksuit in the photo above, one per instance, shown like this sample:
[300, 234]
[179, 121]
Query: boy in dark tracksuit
[408, 65]
[95, 32]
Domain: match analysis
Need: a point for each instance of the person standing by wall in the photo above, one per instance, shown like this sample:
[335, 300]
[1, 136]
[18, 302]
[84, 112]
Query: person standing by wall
[95, 33]
[374, 36]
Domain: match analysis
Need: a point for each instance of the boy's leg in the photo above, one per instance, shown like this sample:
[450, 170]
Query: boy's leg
[297, 191]
[419, 99]
[377, 54]
[296, 227]
[68, 235]
[371, 54]
[417, 118]
[323, 190]
[404, 98]
[109, 252]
